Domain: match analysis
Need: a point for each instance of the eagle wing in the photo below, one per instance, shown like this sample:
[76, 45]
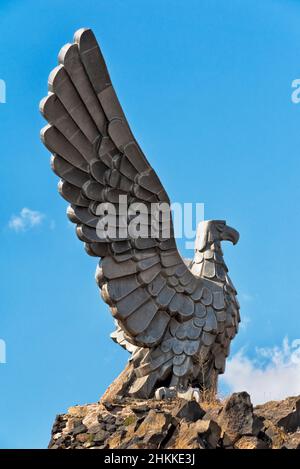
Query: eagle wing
[144, 279]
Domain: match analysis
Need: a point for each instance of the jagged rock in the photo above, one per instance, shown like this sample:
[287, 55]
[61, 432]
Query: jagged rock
[209, 433]
[91, 422]
[79, 429]
[100, 436]
[59, 424]
[285, 414]
[178, 424]
[80, 411]
[292, 441]
[115, 440]
[276, 435]
[250, 442]
[140, 408]
[82, 437]
[203, 434]
[188, 410]
[237, 419]
[212, 410]
[154, 428]
[226, 442]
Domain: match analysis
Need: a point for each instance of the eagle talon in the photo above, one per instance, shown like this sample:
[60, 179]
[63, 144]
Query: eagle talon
[191, 394]
[165, 393]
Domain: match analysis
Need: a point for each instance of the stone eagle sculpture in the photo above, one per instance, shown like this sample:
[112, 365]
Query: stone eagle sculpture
[176, 318]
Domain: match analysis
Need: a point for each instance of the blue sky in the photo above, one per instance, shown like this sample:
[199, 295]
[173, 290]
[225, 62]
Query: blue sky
[206, 86]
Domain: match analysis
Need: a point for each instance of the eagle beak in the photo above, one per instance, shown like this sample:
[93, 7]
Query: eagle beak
[230, 234]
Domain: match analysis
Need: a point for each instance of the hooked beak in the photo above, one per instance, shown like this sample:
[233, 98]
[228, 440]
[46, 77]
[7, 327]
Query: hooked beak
[230, 234]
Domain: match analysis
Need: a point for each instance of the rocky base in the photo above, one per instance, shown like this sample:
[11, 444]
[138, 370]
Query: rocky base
[179, 424]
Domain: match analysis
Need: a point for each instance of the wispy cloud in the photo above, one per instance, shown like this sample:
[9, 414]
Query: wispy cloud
[245, 321]
[273, 374]
[246, 296]
[25, 220]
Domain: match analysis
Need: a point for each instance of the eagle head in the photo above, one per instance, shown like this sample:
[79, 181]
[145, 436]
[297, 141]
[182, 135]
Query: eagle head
[213, 232]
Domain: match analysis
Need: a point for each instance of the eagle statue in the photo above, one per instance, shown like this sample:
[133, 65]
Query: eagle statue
[176, 317]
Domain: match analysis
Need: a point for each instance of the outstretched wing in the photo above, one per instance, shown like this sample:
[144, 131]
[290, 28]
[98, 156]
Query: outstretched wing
[143, 279]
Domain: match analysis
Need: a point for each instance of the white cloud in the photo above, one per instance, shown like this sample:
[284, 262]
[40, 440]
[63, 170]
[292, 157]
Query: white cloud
[273, 374]
[26, 220]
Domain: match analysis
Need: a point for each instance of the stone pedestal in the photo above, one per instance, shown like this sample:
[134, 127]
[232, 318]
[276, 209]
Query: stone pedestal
[178, 424]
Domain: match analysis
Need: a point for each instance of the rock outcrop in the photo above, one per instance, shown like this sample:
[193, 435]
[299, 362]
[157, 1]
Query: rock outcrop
[179, 424]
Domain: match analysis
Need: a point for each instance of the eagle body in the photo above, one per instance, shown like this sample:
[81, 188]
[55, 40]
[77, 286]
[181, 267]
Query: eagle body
[176, 320]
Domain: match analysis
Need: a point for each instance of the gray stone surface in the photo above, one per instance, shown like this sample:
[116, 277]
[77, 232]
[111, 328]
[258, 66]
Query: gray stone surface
[176, 318]
[237, 418]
